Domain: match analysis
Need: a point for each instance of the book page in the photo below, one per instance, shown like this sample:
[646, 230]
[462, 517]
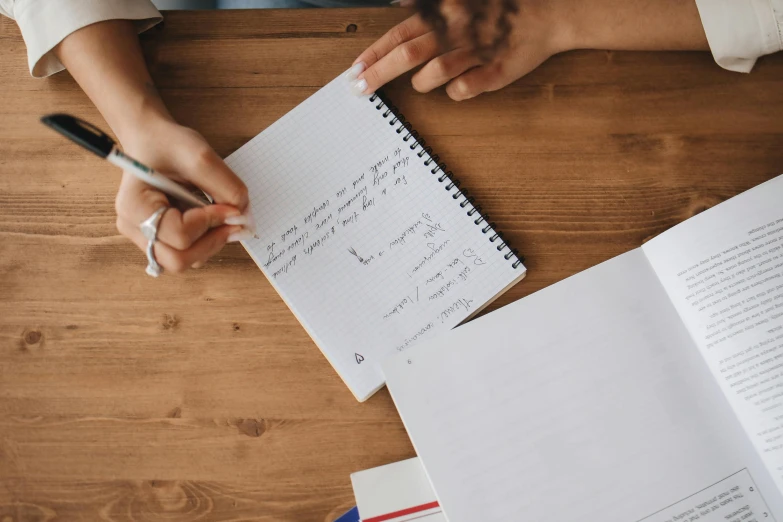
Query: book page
[723, 270]
[367, 247]
[584, 401]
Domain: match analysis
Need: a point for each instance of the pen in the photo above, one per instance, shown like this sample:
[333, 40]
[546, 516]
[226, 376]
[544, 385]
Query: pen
[98, 142]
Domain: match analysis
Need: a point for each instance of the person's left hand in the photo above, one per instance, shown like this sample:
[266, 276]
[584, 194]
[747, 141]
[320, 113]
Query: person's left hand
[538, 31]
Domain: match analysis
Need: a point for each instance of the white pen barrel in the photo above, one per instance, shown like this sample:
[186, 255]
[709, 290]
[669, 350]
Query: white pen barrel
[155, 179]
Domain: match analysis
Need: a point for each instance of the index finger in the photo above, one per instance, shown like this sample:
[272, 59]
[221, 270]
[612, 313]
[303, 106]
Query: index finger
[407, 30]
[400, 60]
[198, 163]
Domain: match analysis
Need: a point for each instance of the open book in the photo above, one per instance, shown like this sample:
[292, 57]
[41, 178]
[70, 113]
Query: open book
[369, 241]
[648, 388]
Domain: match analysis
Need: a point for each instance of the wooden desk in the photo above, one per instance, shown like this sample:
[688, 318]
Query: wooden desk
[128, 398]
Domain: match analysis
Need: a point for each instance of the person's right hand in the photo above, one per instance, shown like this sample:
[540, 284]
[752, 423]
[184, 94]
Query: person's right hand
[185, 238]
[537, 31]
[106, 59]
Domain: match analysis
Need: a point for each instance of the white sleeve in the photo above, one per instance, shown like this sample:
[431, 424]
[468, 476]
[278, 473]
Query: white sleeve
[45, 23]
[740, 31]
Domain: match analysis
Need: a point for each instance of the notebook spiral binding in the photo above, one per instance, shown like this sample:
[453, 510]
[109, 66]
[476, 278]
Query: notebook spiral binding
[405, 126]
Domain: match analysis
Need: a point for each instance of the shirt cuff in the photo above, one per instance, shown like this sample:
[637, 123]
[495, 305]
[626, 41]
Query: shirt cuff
[45, 23]
[740, 31]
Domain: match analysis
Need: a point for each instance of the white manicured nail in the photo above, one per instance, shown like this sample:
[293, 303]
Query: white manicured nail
[355, 71]
[242, 235]
[236, 220]
[394, 2]
[359, 86]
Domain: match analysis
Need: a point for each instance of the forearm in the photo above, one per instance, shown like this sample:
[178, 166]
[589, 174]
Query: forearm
[634, 25]
[106, 60]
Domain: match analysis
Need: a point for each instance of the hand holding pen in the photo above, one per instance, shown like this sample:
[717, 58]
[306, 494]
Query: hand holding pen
[181, 230]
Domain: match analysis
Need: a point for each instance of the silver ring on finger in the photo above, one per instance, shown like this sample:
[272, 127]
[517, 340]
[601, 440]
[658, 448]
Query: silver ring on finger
[149, 228]
[153, 267]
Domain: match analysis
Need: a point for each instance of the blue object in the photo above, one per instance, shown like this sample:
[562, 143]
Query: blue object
[350, 516]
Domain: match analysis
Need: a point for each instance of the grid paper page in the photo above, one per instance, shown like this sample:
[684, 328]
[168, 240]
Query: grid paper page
[366, 247]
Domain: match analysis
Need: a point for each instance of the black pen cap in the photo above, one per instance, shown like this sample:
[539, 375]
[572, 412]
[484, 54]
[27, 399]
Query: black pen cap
[79, 131]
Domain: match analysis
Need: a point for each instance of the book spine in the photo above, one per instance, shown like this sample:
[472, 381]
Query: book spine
[479, 218]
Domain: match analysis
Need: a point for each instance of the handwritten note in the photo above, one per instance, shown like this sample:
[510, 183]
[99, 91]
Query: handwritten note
[364, 243]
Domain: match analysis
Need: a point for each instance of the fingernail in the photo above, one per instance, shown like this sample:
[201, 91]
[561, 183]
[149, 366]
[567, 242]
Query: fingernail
[394, 2]
[197, 264]
[242, 235]
[236, 220]
[359, 86]
[355, 70]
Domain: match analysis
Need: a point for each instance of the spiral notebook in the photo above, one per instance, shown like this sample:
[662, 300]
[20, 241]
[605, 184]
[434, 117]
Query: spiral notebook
[371, 243]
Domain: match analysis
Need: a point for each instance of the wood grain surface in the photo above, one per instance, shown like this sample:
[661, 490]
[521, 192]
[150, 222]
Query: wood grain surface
[200, 396]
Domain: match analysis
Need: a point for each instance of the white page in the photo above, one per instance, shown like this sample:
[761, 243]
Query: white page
[396, 492]
[723, 270]
[366, 247]
[584, 401]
